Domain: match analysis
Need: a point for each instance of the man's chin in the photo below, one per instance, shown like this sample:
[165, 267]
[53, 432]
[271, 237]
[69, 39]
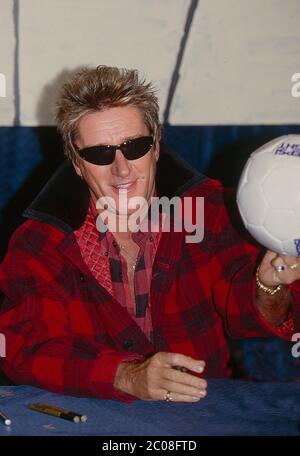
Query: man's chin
[126, 213]
[124, 204]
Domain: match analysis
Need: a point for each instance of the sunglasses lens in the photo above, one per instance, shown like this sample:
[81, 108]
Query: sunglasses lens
[138, 147]
[105, 155]
[98, 155]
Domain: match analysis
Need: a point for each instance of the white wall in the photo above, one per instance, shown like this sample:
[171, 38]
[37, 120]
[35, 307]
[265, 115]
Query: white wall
[236, 69]
[7, 47]
[57, 36]
[238, 65]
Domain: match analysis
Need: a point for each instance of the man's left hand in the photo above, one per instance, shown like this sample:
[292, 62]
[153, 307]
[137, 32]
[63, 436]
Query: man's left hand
[278, 269]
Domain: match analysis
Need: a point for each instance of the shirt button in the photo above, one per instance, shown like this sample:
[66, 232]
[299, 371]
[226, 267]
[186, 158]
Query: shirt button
[105, 253]
[81, 277]
[114, 243]
[128, 344]
[150, 238]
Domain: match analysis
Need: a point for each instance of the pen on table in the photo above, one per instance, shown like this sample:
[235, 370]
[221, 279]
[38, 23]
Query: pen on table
[5, 419]
[57, 411]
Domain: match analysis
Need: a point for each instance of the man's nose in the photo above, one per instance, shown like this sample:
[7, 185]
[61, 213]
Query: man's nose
[120, 165]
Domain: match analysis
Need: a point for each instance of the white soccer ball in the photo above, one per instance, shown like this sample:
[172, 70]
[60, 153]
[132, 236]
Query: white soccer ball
[268, 195]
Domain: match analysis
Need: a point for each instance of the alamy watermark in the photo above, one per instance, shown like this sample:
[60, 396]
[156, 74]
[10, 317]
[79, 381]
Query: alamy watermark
[295, 90]
[2, 85]
[296, 346]
[133, 214]
[2, 346]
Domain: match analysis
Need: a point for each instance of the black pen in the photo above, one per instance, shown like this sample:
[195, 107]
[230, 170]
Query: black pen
[5, 419]
[59, 412]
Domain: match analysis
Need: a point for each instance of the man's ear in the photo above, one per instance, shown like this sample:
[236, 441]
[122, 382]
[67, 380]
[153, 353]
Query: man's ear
[77, 169]
[157, 151]
[157, 144]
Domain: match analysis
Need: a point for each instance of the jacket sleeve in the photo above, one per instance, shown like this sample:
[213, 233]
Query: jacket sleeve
[236, 257]
[41, 349]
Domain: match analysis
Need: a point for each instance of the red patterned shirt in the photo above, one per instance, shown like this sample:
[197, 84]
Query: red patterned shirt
[101, 253]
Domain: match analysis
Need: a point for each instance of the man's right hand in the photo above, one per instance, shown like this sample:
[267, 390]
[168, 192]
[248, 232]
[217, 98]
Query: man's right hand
[151, 379]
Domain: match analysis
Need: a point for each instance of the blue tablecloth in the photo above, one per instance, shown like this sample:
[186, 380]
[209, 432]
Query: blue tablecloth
[230, 408]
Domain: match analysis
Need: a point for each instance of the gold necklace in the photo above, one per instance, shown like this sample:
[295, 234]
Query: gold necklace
[134, 259]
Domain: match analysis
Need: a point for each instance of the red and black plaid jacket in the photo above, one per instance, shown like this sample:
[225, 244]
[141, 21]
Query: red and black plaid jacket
[66, 333]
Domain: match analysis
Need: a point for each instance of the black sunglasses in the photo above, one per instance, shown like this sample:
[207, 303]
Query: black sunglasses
[105, 155]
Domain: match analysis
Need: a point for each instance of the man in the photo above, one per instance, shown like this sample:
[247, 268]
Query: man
[122, 315]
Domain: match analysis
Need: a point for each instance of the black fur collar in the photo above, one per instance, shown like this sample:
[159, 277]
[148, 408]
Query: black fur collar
[64, 200]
